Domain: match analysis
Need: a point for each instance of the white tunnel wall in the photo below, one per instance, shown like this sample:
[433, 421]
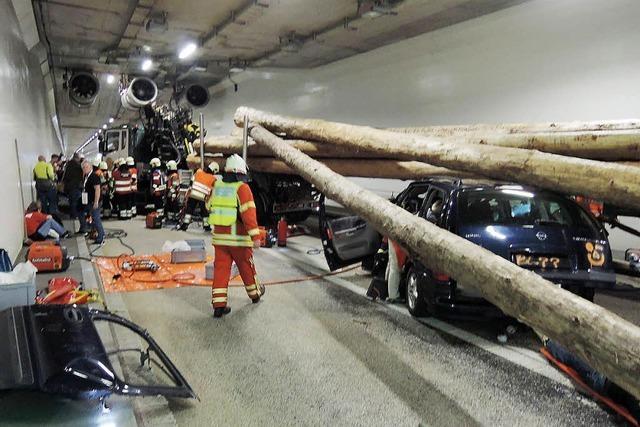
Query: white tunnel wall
[544, 60]
[23, 116]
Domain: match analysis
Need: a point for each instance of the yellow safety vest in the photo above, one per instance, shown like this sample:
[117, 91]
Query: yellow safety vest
[44, 170]
[223, 205]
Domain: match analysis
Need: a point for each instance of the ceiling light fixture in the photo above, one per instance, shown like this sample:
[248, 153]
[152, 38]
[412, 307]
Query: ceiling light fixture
[124, 126]
[187, 50]
[146, 64]
[146, 48]
[104, 126]
[111, 119]
[111, 78]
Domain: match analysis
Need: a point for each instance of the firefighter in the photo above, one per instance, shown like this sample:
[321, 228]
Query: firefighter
[131, 163]
[105, 190]
[201, 184]
[173, 186]
[122, 189]
[158, 185]
[235, 234]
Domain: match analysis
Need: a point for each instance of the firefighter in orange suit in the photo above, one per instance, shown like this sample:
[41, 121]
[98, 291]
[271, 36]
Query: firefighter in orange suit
[133, 171]
[235, 234]
[173, 186]
[200, 191]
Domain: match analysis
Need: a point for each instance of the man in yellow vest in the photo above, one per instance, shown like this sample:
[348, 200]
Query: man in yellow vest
[235, 234]
[45, 178]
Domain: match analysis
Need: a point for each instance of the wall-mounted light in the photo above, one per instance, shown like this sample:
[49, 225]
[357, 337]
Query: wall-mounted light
[187, 50]
[111, 79]
[111, 119]
[146, 48]
[104, 126]
[146, 64]
[235, 70]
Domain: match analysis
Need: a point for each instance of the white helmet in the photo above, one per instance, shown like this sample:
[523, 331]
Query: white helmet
[130, 161]
[235, 164]
[214, 167]
[120, 161]
[96, 163]
[103, 166]
[155, 162]
[172, 165]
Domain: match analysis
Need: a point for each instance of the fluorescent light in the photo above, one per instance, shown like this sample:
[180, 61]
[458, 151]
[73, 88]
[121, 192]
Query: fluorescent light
[104, 126]
[188, 50]
[95, 135]
[111, 119]
[111, 78]
[124, 126]
[146, 48]
[235, 70]
[146, 64]
[99, 130]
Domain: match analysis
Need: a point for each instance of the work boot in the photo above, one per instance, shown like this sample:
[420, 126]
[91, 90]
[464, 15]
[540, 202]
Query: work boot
[255, 300]
[184, 226]
[221, 311]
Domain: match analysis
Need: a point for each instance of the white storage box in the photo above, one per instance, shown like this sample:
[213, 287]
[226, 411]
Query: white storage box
[18, 287]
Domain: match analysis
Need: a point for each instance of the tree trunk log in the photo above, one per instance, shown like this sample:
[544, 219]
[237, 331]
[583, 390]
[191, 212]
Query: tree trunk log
[609, 182]
[392, 169]
[607, 342]
[233, 144]
[510, 128]
[610, 146]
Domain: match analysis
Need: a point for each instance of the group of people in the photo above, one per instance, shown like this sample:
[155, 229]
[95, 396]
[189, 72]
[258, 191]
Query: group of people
[81, 185]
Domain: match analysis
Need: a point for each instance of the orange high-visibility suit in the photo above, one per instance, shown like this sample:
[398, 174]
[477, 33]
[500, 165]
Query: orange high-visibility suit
[235, 228]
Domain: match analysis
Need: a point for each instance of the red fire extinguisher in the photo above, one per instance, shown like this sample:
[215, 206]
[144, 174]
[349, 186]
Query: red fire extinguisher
[283, 229]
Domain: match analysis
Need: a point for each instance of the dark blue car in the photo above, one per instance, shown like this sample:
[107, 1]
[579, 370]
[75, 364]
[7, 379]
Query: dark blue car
[539, 230]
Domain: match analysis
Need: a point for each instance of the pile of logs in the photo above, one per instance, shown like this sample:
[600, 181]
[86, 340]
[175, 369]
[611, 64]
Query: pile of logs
[594, 159]
[575, 158]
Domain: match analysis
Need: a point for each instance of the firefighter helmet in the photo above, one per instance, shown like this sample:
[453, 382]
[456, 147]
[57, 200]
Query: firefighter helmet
[155, 162]
[120, 161]
[235, 164]
[172, 165]
[103, 166]
[214, 167]
[131, 161]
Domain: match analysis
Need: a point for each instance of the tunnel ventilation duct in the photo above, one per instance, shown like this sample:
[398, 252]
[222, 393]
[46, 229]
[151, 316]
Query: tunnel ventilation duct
[197, 96]
[83, 88]
[141, 92]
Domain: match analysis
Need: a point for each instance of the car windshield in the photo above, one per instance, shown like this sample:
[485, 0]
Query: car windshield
[518, 207]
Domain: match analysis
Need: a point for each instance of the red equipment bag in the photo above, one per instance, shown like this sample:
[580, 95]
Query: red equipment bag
[153, 221]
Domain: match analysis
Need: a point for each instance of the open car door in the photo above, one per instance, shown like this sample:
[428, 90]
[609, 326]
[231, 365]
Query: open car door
[346, 240]
[57, 349]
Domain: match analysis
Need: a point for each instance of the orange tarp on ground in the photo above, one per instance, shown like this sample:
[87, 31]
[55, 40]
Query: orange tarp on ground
[115, 279]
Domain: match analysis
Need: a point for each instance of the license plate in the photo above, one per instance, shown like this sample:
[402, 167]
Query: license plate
[544, 262]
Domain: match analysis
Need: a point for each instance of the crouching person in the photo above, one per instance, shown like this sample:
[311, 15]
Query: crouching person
[40, 225]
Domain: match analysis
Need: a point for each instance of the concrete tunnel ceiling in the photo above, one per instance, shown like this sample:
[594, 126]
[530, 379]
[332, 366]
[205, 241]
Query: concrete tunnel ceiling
[112, 36]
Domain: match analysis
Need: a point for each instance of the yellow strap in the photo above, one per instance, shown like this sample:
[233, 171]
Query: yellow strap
[253, 232]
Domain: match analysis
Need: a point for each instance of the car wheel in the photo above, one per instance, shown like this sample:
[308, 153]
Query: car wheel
[415, 298]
